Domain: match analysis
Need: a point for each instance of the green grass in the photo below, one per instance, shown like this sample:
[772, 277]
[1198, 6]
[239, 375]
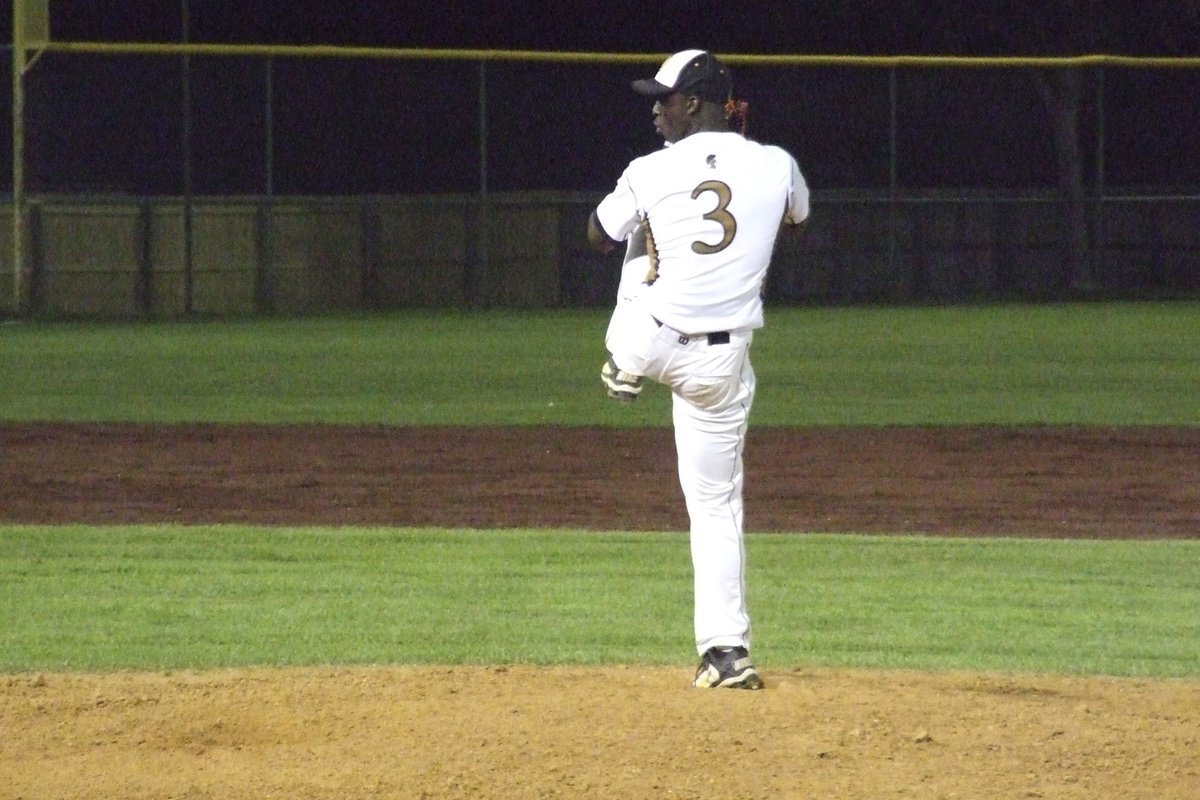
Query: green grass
[164, 597]
[1103, 364]
[154, 597]
[1119, 364]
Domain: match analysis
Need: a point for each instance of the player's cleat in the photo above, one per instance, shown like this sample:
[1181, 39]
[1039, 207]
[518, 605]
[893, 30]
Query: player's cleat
[620, 385]
[726, 668]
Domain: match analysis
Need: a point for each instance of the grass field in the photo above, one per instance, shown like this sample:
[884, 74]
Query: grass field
[86, 597]
[1104, 364]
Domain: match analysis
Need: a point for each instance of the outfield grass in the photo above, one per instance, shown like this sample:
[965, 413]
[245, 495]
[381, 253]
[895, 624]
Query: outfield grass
[87, 598]
[163, 597]
[1104, 364]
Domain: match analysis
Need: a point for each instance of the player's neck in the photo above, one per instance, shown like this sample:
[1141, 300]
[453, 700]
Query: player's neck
[709, 119]
[705, 127]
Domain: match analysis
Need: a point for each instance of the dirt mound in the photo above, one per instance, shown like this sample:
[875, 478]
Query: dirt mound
[520, 732]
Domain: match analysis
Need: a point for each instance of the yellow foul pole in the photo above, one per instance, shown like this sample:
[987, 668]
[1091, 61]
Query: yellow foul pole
[18, 145]
[31, 29]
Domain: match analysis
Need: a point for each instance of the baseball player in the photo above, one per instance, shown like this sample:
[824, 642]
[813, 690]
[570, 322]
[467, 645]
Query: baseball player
[713, 204]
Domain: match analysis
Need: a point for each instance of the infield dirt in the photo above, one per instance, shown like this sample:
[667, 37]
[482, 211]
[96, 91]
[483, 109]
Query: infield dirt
[523, 732]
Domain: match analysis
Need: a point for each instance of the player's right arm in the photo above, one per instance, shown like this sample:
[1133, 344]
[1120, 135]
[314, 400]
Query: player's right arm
[598, 237]
[615, 218]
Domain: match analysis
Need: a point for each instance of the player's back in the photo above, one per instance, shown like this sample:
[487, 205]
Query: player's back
[715, 202]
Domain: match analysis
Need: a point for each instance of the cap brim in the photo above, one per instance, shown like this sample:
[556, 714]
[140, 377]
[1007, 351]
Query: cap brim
[651, 87]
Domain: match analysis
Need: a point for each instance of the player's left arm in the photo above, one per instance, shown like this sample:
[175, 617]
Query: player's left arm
[795, 216]
[793, 229]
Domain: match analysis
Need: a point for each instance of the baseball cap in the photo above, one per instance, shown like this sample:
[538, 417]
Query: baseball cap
[696, 72]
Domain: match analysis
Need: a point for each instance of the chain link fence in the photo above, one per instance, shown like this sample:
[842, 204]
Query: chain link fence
[934, 179]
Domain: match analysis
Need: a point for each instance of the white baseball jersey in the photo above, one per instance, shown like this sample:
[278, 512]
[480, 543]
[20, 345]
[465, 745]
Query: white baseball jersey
[714, 202]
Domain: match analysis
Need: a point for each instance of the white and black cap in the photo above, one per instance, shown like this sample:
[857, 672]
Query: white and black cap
[696, 72]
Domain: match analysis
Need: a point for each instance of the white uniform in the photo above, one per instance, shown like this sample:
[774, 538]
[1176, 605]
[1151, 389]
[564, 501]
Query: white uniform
[635, 270]
[714, 202]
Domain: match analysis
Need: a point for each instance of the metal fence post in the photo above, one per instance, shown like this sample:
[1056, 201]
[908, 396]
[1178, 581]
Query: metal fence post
[893, 178]
[483, 231]
[264, 296]
[1096, 252]
[145, 279]
[189, 288]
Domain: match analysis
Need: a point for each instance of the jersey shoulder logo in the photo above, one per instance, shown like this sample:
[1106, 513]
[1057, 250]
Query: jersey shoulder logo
[711, 161]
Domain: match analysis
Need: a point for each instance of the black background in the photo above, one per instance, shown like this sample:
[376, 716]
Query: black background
[351, 126]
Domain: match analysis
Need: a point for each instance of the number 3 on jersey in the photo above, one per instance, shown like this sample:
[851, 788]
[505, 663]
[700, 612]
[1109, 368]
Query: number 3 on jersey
[719, 215]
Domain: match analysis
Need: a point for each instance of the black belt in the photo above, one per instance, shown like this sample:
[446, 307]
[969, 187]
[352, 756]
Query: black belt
[716, 337]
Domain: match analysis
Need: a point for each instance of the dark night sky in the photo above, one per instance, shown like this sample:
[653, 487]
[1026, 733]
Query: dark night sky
[349, 126]
[979, 27]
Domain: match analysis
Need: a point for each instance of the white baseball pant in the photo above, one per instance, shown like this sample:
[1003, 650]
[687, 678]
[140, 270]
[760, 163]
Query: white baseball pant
[712, 390]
